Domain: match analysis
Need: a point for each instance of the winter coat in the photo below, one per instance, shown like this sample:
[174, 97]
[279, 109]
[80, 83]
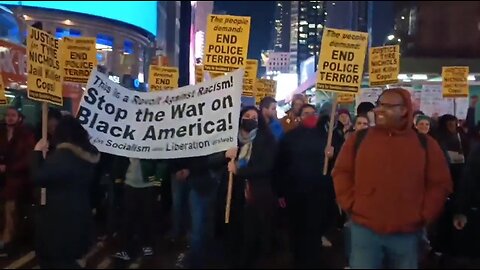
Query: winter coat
[391, 184]
[64, 224]
[16, 155]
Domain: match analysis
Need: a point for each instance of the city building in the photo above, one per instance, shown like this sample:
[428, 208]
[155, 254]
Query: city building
[307, 19]
[125, 40]
[200, 12]
[278, 62]
[281, 29]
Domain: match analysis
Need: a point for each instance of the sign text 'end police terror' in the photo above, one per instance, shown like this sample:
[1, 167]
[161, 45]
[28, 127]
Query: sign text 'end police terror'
[342, 57]
[227, 43]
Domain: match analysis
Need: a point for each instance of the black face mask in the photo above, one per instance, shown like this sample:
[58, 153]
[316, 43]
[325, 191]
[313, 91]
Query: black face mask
[249, 124]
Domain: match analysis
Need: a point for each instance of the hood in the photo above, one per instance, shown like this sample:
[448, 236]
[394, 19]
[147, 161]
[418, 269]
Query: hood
[407, 100]
[93, 158]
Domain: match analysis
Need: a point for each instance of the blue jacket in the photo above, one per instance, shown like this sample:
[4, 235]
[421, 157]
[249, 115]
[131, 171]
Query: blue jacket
[277, 129]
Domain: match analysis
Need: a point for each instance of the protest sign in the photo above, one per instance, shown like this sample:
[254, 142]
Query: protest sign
[264, 88]
[162, 78]
[44, 81]
[455, 81]
[198, 74]
[384, 65]
[191, 121]
[226, 46]
[342, 57]
[3, 98]
[433, 103]
[345, 98]
[250, 77]
[78, 58]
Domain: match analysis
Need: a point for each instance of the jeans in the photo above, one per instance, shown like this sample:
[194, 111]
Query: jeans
[369, 249]
[202, 206]
[180, 194]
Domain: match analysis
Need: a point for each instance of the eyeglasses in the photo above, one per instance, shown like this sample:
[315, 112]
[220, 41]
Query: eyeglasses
[388, 105]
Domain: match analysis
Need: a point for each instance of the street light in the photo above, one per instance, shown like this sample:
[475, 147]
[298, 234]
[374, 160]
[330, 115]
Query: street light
[391, 37]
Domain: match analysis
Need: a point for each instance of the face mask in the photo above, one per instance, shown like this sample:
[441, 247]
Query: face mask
[310, 121]
[249, 124]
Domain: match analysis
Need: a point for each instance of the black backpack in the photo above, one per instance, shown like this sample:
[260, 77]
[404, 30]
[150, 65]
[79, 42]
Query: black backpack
[362, 133]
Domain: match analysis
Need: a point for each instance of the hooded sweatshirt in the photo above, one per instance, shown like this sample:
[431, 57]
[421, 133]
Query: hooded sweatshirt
[392, 184]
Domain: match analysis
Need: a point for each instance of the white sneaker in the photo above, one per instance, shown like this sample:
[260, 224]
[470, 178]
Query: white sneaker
[122, 255]
[147, 251]
[326, 242]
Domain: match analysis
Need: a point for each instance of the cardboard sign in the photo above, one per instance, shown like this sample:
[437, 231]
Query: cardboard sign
[342, 57]
[250, 78]
[384, 65]
[345, 98]
[44, 80]
[162, 78]
[265, 88]
[198, 74]
[455, 82]
[194, 120]
[79, 58]
[3, 98]
[226, 47]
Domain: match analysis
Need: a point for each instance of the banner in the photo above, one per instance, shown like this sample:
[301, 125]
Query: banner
[226, 47]
[455, 81]
[433, 103]
[384, 65]
[264, 88]
[249, 78]
[342, 58]
[44, 81]
[3, 98]
[78, 59]
[162, 78]
[191, 121]
[198, 74]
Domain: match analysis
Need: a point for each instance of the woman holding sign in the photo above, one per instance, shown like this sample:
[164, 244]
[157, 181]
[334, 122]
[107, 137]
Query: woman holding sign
[252, 198]
[64, 219]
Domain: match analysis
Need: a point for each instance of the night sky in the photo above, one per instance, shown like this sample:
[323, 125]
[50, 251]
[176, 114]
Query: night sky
[262, 13]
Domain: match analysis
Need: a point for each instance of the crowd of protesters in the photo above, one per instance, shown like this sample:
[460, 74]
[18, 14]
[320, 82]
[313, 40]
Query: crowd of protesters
[399, 177]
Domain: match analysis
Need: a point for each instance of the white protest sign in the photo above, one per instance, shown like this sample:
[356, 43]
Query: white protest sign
[191, 121]
[432, 102]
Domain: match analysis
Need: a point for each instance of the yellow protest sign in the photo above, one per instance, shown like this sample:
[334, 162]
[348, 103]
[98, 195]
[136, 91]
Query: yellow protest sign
[198, 74]
[264, 88]
[249, 77]
[44, 80]
[162, 78]
[3, 98]
[214, 75]
[384, 65]
[226, 46]
[342, 57]
[78, 59]
[455, 81]
[345, 98]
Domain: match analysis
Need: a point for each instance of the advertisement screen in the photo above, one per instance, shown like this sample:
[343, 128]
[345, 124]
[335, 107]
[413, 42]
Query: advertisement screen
[142, 14]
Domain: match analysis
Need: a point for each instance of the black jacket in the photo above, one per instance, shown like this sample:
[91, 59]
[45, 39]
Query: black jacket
[64, 225]
[468, 193]
[300, 160]
[205, 171]
[258, 171]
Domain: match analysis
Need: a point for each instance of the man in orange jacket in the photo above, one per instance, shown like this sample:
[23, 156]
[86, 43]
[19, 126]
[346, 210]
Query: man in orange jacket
[392, 184]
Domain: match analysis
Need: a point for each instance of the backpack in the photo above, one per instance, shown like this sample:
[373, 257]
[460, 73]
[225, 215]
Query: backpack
[362, 133]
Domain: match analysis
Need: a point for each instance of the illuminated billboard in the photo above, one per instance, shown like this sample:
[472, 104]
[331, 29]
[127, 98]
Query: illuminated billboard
[142, 14]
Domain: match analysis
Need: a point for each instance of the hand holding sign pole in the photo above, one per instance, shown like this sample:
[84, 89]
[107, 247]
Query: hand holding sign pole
[229, 197]
[340, 68]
